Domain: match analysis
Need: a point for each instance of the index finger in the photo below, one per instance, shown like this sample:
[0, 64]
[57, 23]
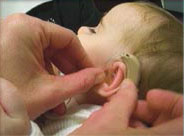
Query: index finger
[64, 48]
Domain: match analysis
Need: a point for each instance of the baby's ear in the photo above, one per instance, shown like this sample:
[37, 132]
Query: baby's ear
[115, 74]
[126, 66]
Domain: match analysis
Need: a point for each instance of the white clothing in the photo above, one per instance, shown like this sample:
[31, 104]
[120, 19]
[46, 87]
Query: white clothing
[73, 119]
[35, 130]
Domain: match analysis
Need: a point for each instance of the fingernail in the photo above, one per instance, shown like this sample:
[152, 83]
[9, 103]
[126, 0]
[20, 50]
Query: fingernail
[126, 83]
[100, 78]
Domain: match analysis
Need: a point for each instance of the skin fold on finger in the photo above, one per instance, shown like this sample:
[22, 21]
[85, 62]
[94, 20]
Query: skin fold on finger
[65, 64]
[11, 101]
[2, 114]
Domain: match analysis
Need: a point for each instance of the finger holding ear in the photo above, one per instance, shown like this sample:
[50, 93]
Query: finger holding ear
[54, 90]
[114, 116]
[119, 109]
[123, 103]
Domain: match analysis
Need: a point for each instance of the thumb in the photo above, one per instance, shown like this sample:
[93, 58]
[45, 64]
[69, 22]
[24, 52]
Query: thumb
[54, 90]
[118, 110]
[123, 103]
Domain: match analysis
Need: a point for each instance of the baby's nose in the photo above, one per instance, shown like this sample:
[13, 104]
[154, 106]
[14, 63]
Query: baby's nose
[83, 30]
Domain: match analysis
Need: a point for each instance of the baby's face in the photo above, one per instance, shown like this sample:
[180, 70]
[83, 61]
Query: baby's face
[106, 40]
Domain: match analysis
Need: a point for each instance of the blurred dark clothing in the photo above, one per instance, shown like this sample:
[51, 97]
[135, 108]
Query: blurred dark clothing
[106, 5]
[71, 14]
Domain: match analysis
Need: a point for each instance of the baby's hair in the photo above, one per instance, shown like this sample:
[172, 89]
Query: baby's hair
[160, 48]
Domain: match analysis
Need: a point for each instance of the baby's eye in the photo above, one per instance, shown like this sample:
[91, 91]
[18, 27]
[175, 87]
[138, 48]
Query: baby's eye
[92, 30]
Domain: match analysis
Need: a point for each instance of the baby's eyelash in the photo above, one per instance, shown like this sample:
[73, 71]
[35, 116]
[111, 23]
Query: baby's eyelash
[92, 30]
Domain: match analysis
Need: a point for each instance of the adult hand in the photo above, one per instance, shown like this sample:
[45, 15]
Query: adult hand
[163, 110]
[113, 118]
[28, 47]
[13, 115]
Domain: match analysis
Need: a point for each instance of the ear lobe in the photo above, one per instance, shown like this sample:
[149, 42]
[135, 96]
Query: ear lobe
[114, 76]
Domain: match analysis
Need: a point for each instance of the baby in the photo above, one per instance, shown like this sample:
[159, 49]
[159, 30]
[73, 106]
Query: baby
[133, 40]
[145, 31]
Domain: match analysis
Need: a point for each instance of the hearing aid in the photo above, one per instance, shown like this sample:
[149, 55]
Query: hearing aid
[132, 67]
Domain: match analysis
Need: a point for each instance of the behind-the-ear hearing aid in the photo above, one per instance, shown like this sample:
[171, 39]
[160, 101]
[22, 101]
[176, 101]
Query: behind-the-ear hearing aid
[132, 67]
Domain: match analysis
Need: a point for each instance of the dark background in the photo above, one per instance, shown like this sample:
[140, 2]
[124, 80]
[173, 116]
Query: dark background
[73, 14]
[106, 5]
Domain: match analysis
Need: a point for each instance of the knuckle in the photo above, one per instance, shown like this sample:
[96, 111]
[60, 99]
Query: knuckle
[14, 23]
[17, 17]
[177, 107]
